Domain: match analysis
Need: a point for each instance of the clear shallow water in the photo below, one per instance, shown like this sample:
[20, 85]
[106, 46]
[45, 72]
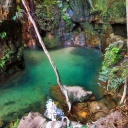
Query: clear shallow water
[77, 66]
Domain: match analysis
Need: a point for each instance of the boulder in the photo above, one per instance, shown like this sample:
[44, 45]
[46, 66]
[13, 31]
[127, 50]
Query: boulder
[36, 120]
[77, 93]
[98, 109]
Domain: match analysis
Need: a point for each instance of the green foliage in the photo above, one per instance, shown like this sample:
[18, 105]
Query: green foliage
[49, 3]
[124, 72]
[113, 79]
[48, 14]
[103, 9]
[5, 58]
[3, 35]
[112, 56]
[89, 29]
[60, 4]
[48, 6]
[110, 8]
[117, 9]
[112, 73]
[19, 14]
[104, 74]
[66, 17]
[2, 63]
[51, 43]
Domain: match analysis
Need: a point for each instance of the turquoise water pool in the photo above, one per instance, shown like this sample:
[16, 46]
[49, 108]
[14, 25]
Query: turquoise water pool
[77, 66]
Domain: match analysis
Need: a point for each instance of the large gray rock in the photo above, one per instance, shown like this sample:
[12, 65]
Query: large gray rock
[36, 120]
[77, 93]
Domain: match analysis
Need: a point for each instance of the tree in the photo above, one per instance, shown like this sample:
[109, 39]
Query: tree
[127, 21]
[64, 91]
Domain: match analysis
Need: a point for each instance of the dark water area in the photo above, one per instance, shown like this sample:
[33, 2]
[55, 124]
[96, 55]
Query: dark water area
[77, 66]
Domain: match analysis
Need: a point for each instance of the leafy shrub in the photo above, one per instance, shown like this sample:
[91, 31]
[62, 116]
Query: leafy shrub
[113, 79]
[112, 73]
[112, 9]
[112, 55]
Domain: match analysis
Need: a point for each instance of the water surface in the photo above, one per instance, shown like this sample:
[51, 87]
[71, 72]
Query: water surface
[77, 66]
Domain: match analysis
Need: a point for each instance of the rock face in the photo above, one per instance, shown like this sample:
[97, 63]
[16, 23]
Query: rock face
[11, 47]
[83, 22]
[81, 10]
[78, 23]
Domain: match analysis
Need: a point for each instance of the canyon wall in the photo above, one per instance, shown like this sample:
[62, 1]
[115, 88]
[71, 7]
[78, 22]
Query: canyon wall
[11, 46]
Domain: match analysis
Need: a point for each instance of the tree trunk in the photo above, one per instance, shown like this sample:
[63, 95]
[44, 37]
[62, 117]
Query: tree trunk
[64, 91]
[127, 21]
[125, 91]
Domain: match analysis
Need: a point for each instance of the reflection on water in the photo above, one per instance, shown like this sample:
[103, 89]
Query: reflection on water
[77, 66]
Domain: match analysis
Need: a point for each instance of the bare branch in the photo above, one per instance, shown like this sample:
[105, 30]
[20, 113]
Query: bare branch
[125, 91]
